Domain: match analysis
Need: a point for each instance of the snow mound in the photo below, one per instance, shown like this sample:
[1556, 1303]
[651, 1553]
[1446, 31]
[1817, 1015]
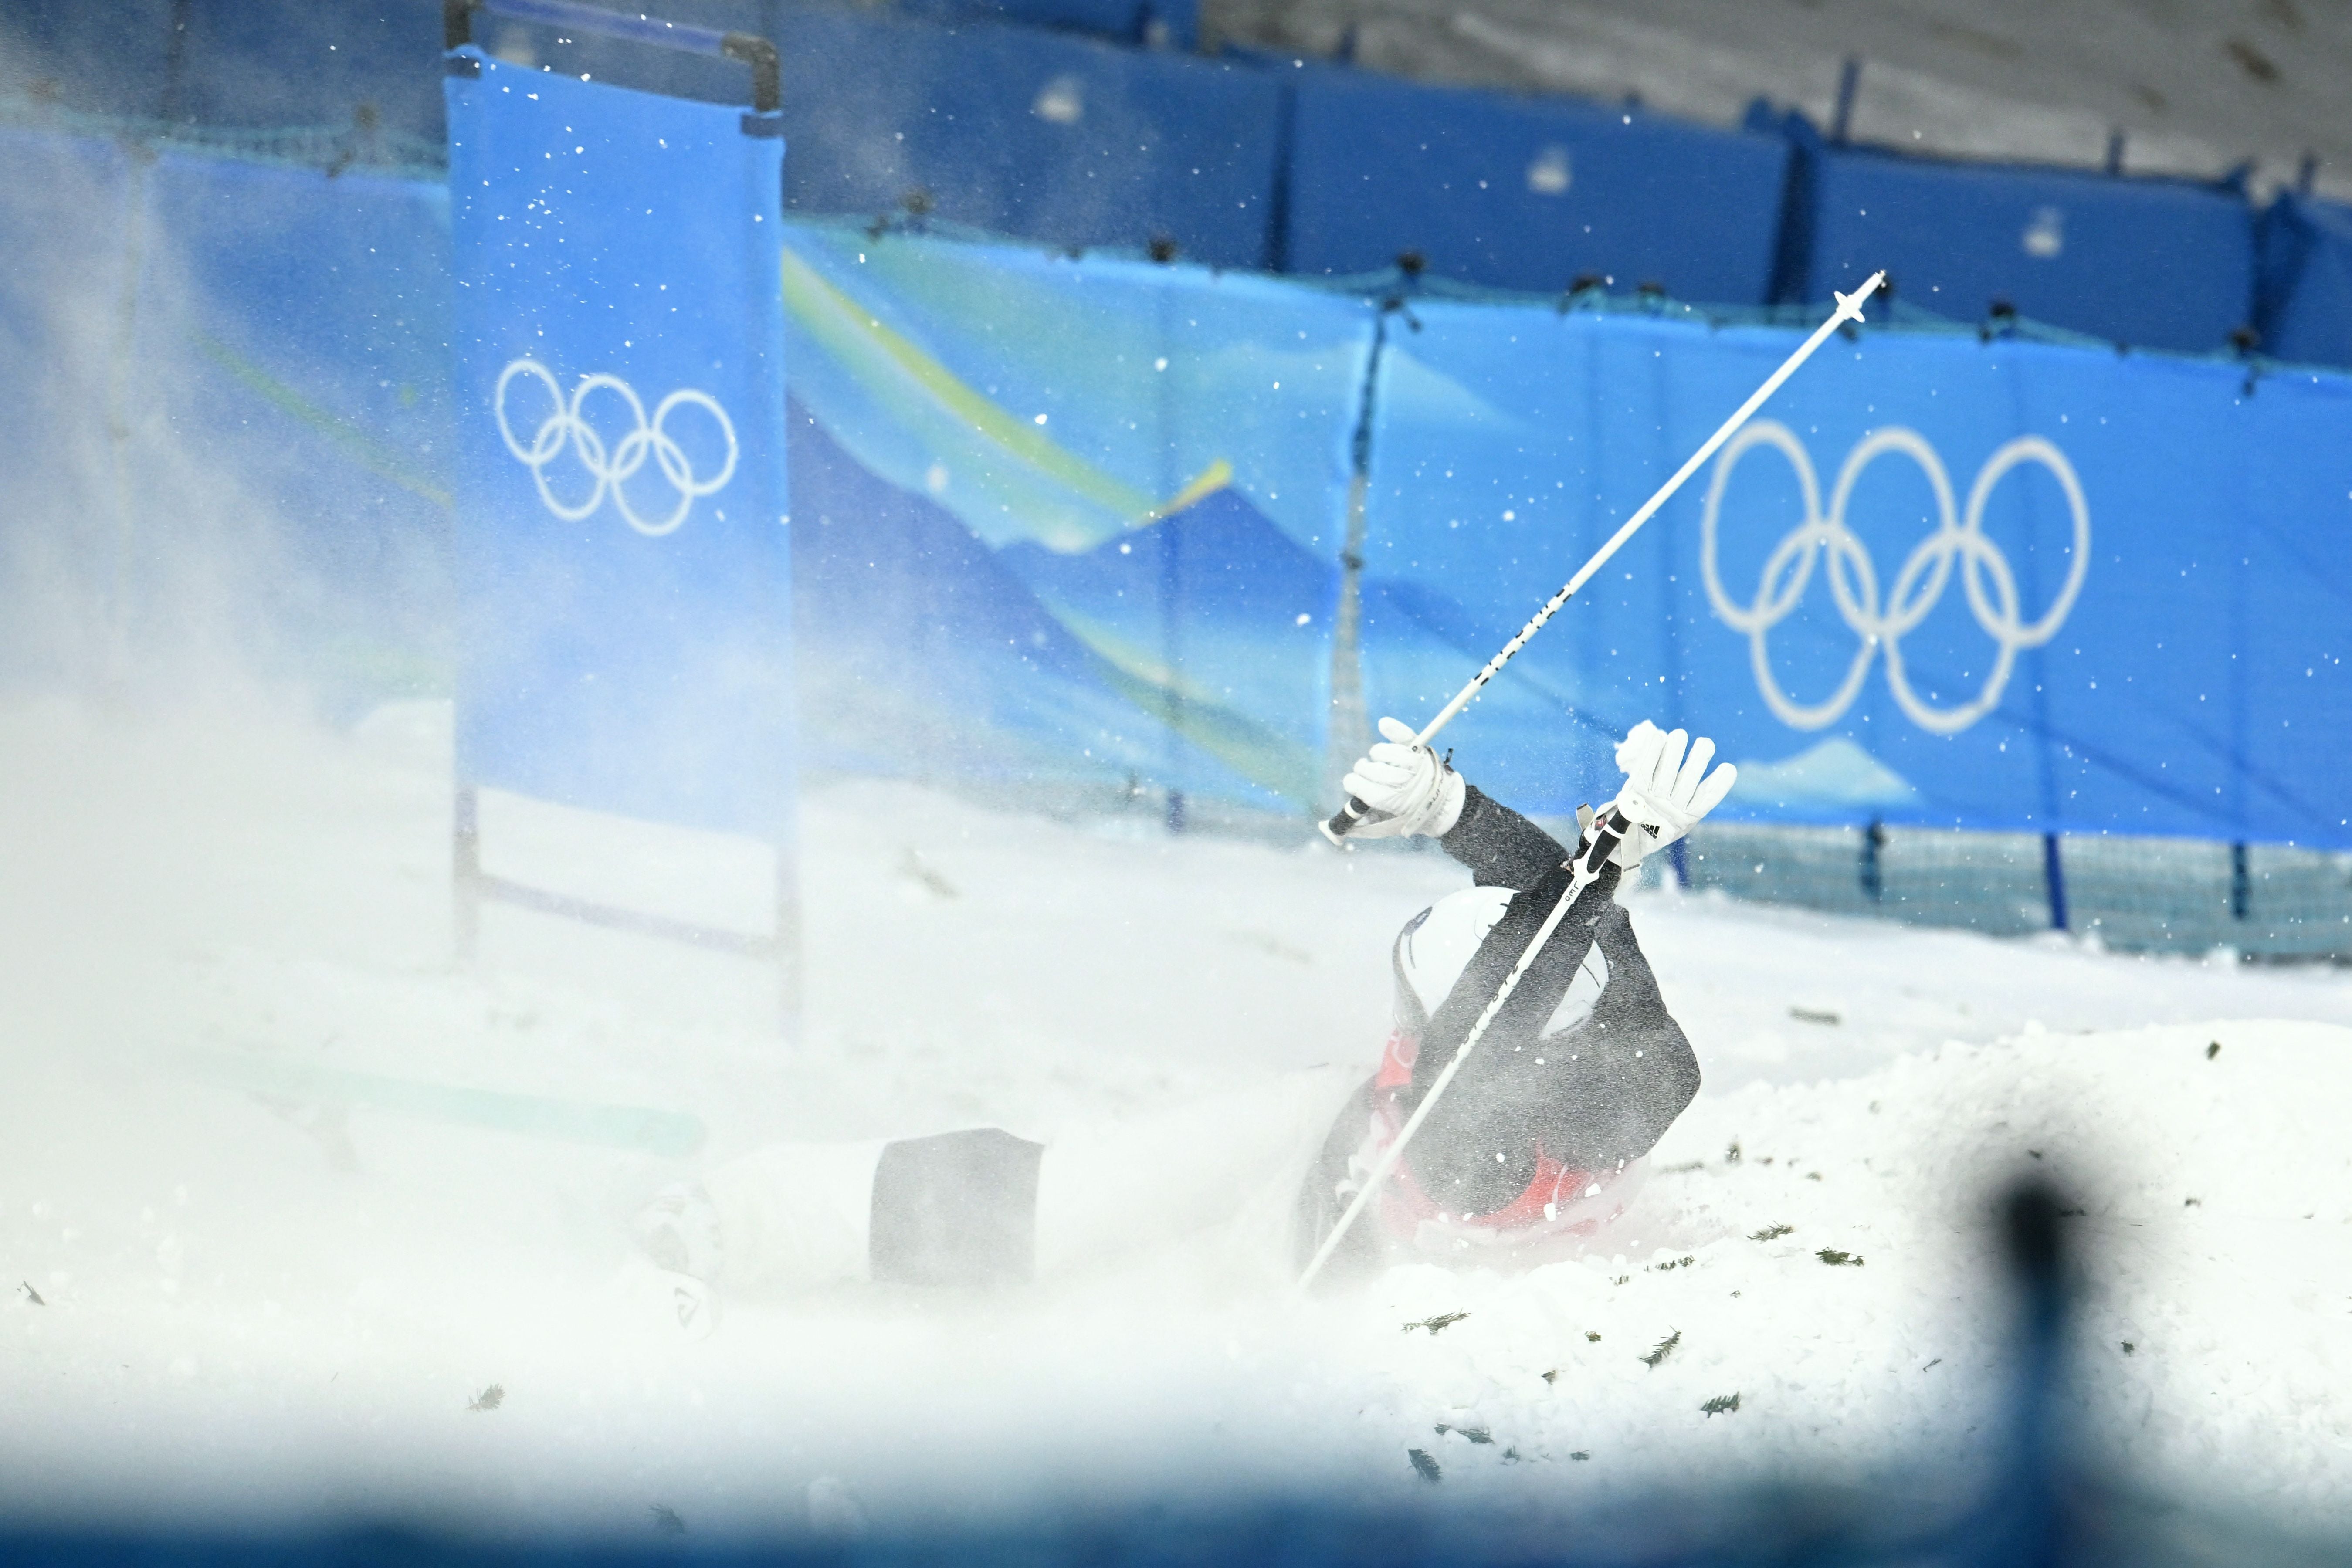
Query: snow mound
[1822, 1253]
[253, 1300]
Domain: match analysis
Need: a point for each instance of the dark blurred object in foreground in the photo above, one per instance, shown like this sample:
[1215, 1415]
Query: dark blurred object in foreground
[2043, 1505]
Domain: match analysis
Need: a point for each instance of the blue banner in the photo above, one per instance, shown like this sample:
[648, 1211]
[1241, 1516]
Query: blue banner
[1067, 519]
[1943, 581]
[1940, 581]
[622, 515]
[66, 204]
[233, 375]
[295, 324]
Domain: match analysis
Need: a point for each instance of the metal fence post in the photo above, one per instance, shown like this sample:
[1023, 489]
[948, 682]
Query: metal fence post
[2053, 877]
[1849, 87]
[1873, 873]
[466, 875]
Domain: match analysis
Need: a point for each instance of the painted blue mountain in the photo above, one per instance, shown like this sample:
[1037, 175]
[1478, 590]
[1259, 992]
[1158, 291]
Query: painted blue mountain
[1222, 607]
[920, 653]
[1217, 605]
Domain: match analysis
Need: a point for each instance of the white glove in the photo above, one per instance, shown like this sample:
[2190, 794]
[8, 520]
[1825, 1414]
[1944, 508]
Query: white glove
[1412, 790]
[1665, 793]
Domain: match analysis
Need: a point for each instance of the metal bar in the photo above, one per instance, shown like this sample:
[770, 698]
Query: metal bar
[638, 29]
[466, 874]
[1849, 89]
[748, 48]
[539, 900]
[2053, 878]
[1348, 728]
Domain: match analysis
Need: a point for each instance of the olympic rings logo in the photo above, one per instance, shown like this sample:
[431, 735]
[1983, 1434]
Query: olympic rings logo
[1986, 577]
[612, 466]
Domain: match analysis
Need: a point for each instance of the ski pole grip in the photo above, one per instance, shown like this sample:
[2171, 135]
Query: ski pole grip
[1344, 820]
[1608, 830]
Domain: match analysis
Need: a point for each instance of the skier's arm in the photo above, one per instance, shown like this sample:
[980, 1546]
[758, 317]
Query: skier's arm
[1408, 792]
[1667, 789]
[1502, 849]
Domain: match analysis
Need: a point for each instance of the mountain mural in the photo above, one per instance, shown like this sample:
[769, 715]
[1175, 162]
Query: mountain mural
[923, 652]
[1217, 607]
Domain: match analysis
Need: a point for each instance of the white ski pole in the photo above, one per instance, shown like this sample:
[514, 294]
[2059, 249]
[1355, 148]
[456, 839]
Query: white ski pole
[1607, 830]
[1849, 308]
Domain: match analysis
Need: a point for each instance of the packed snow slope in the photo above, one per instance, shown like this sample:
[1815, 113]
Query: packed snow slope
[274, 1303]
[2197, 89]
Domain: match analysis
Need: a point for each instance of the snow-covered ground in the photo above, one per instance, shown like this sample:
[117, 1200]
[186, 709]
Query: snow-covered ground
[253, 1304]
[2195, 88]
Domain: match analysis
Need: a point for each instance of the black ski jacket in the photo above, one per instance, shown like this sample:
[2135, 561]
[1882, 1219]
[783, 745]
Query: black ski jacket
[1591, 1097]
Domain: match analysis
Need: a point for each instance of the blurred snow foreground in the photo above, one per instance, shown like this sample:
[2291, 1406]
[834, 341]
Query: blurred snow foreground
[311, 1295]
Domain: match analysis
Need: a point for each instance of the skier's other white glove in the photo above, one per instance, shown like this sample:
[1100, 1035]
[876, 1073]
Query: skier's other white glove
[1407, 784]
[1667, 788]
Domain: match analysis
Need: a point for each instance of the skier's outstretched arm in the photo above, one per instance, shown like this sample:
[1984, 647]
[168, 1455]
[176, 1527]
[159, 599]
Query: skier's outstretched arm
[1411, 792]
[1668, 787]
[1502, 849]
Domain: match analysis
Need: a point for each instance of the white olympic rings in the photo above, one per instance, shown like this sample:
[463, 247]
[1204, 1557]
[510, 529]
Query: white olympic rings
[1986, 577]
[613, 467]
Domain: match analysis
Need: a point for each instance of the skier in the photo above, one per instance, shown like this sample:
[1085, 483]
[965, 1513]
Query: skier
[1541, 1134]
[1538, 1141]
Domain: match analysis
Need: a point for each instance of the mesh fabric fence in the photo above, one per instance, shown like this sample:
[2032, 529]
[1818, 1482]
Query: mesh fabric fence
[361, 144]
[2133, 894]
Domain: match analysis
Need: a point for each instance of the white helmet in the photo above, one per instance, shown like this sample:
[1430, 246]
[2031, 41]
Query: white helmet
[1437, 945]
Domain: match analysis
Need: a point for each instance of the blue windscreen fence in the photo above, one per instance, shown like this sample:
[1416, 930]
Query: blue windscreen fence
[235, 381]
[66, 214]
[1942, 582]
[1043, 121]
[298, 327]
[2151, 263]
[1527, 194]
[300, 62]
[620, 497]
[1030, 133]
[1065, 519]
[1085, 517]
[2307, 280]
[112, 59]
[1155, 24]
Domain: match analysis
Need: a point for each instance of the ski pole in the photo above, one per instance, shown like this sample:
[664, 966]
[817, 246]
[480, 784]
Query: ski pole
[1849, 308]
[1607, 830]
